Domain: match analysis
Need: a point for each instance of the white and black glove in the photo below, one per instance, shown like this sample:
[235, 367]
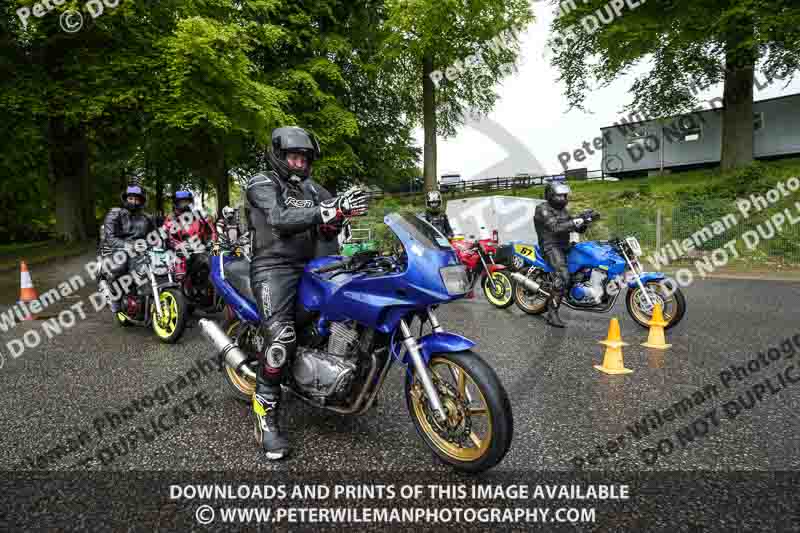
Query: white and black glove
[351, 203]
[578, 222]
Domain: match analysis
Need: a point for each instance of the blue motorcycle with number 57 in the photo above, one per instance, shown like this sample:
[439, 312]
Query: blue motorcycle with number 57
[354, 321]
[599, 270]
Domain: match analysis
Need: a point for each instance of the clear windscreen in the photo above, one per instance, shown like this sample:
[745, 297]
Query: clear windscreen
[418, 229]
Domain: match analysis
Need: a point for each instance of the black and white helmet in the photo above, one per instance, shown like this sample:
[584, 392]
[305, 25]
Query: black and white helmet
[228, 212]
[557, 195]
[292, 140]
[433, 201]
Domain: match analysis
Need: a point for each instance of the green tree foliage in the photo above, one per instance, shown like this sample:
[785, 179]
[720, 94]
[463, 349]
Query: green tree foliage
[688, 46]
[478, 39]
[185, 93]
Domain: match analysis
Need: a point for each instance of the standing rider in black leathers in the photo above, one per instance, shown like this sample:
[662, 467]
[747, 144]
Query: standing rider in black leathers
[435, 215]
[553, 225]
[122, 226]
[286, 210]
[227, 225]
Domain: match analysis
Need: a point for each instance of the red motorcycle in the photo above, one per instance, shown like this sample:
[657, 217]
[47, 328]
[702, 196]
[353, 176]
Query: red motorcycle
[478, 257]
[192, 274]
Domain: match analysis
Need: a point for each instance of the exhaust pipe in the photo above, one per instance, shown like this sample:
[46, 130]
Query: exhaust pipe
[528, 283]
[229, 350]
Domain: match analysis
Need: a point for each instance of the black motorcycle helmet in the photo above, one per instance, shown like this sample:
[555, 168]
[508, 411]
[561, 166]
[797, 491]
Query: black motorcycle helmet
[137, 192]
[433, 201]
[292, 140]
[557, 195]
[182, 201]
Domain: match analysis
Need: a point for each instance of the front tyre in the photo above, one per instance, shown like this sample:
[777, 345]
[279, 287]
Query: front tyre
[170, 326]
[502, 295]
[479, 427]
[673, 304]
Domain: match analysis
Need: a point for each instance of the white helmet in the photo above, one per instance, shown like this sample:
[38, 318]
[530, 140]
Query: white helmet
[433, 201]
[228, 212]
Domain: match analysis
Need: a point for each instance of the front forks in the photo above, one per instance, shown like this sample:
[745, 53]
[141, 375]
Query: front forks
[422, 370]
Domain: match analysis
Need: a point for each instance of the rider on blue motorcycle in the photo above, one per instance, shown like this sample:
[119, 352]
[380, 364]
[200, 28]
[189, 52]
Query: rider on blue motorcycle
[288, 213]
[553, 226]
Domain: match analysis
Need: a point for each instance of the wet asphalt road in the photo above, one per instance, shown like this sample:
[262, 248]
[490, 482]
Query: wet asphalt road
[562, 406]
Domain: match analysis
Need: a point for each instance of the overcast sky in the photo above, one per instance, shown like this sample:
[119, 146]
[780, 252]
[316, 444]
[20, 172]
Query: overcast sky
[532, 108]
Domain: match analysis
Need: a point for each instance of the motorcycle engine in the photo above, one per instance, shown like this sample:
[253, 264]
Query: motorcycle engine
[323, 375]
[590, 291]
[328, 375]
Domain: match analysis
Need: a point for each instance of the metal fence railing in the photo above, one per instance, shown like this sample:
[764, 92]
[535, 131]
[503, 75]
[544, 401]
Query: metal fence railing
[500, 184]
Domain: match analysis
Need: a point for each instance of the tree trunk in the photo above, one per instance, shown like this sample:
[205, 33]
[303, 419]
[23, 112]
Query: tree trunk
[89, 204]
[429, 124]
[159, 205]
[737, 115]
[221, 182]
[69, 175]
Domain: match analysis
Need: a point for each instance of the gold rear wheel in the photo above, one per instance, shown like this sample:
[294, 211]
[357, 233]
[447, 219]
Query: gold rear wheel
[242, 386]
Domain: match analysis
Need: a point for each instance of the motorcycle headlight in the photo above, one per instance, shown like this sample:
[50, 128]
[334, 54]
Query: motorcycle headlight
[633, 244]
[455, 279]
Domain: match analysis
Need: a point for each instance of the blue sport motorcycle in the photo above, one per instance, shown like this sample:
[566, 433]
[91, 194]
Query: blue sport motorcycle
[354, 322]
[599, 271]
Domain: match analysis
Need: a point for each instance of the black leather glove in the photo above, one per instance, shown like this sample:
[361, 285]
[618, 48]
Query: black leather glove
[351, 203]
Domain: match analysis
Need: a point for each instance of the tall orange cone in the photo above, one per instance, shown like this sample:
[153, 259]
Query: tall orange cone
[656, 337]
[27, 293]
[612, 360]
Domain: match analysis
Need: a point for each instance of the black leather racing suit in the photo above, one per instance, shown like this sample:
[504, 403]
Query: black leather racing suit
[553, 227]
[440, 222]
[121, 228]
[284, 219]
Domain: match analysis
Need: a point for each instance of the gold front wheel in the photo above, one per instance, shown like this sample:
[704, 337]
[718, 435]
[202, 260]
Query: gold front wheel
[477, 430]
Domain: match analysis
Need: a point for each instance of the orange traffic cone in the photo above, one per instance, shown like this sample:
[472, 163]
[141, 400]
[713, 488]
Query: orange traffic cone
[612, 361]
[656, 338]
[27, 293]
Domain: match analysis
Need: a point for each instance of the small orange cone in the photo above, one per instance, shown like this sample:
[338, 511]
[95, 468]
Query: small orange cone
[612, 361]
[27, 293]
[656, 338]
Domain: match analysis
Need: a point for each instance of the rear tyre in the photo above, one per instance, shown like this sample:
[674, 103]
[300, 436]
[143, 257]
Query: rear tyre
[122, 320]
[529, 302]
[242, 387]
[479, 428]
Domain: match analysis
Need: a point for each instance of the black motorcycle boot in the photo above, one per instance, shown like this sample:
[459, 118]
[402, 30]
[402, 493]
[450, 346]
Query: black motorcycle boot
[552, 313]
[105, 290]
[266, 408]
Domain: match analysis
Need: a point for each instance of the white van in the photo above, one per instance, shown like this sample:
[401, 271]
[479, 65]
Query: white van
[510, 216]
[449, 181]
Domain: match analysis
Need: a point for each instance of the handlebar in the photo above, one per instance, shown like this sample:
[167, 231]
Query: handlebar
[333, 266]
[357, 261]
